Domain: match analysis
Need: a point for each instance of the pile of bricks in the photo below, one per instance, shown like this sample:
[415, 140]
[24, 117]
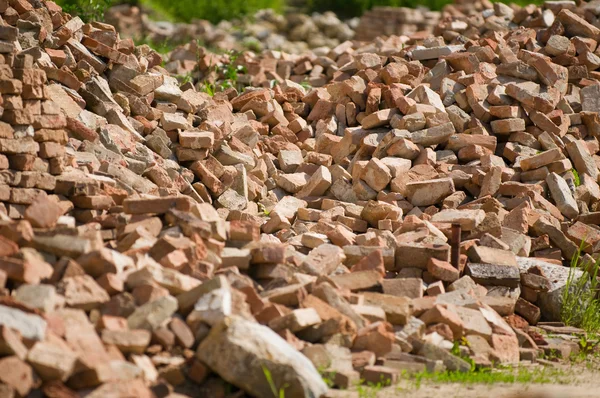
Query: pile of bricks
[292, 32]
[388, 21]
[425, 191]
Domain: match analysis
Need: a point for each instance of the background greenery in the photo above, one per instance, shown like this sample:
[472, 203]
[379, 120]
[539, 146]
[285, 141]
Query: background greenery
[214, 11]
[217, 10]
[176, 10]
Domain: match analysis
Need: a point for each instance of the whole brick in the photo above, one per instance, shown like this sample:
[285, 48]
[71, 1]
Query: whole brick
[507, 126]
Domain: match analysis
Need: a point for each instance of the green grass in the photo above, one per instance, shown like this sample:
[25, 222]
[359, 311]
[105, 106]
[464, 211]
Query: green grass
[588, 351]
[157, 12]
[175, 10]
[306, 85]
[577, 180]
[370, 390]
[162, 47]
[580, 304]
[456, 352]
[326, 376]
[87, 10]
[228, 76]
[501, 375]
[508, 375]
[212, 10]
[276, 393]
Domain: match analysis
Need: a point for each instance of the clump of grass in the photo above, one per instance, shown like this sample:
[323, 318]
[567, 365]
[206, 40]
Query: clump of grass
[580, 303]
[588, 350]
[208, 88]
[228, 74]
[507, 375]
[306, 85]
[214, 11]
[326, 376]
[371, 390]
[87, 10]
[456, 352]
[576, 179]
[231, 72]
[276, 393]
[184, 79]
[161, 47]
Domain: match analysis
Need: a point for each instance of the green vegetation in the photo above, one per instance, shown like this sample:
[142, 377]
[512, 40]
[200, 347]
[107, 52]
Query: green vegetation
[576, 180]
[588, 350]
[580, 303]
[87, 10]
[456, 352]
[179, 10]
[503, 375]
[230, 72]
[306, 85]
[208, 88]
[325, 375]
[228, 75]
[370, 390]
[214, 11]
[162, 47]
[541, 375]
[276, 393]
[184, 79]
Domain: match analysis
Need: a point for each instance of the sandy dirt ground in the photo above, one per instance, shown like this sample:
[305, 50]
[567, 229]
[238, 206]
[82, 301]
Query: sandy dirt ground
[498, 390]
[574, 381]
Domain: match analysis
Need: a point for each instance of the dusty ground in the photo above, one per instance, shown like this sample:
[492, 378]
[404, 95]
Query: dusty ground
[572, 381]
[499, 390]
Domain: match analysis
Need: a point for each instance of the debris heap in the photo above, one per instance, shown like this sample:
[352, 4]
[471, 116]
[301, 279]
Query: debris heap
[425, 191]
[293, 32]
[387, 21]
